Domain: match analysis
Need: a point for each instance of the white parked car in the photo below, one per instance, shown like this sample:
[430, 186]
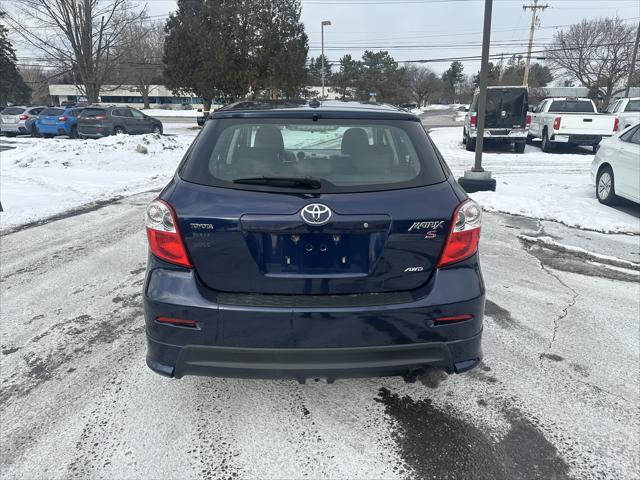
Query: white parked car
[627, 110]
[615, 170]
[572, 121]
[13, 120]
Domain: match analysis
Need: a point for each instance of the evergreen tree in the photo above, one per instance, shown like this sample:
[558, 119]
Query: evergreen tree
[12, 86]
[380, 75]
[281, 47]
[346, 80]
[227, 48]
[314, 77]
[451, 79]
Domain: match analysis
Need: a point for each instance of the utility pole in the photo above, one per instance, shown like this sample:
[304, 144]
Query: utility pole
[478, 179]
[634, 57]
[322, 25]
[534, 17]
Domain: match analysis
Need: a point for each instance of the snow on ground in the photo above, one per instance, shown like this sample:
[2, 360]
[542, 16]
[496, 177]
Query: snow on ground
[45, 177]
[428, 108]
[161, 112]
[551, 186]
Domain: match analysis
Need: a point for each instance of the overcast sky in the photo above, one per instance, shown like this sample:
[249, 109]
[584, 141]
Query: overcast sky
[433, 29]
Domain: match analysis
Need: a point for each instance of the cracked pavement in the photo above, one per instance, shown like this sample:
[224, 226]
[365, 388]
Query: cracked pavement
[556, 396]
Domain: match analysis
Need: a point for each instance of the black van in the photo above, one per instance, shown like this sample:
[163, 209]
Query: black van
[506, 118]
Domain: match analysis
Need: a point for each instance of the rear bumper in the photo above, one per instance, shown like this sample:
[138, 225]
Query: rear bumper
[303, 363]
[13, 127]
[578, 139]
[51, 129]
[94, 131]
[328, 340]
[501, 134]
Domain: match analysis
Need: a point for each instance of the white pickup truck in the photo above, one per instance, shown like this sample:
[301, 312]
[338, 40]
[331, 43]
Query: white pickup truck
[627, 110]
[571, 121]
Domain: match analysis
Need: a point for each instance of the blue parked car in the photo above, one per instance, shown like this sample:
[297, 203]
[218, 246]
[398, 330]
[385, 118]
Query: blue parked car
[54, 121]
[323, 240]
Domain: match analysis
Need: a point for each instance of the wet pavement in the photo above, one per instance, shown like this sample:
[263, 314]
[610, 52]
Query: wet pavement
[556, 396]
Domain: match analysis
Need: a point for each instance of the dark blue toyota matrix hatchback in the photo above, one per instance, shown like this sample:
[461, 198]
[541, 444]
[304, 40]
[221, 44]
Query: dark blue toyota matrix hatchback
[302, 241]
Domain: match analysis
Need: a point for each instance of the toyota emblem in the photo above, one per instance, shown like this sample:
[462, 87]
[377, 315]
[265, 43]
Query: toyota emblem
[316, 214]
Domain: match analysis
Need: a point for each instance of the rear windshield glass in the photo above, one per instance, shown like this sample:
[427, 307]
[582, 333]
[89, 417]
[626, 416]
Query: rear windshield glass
[513, 100]
[571, 106]
[337, 155]
[52, 112]
[13, 111]
[633, 106]
[92, 112]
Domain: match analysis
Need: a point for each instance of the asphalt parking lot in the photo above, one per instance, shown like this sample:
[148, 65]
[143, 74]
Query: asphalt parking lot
[556, 396]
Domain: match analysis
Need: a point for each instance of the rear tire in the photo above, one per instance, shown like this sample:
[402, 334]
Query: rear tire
[34, 132]
[471, 144]
[119, 131]
[74, 133]
[518, 147]
[605, 187]
[529, 140]
[547, 146]
[464, 137]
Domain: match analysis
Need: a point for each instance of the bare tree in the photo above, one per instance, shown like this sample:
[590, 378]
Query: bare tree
[424, 85]
[38, 81]
[595, 52]
[82, 36]
[142, 62]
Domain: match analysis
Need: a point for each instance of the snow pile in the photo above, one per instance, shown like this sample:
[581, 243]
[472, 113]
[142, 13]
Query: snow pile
[160, 112]
[551, 186]
[452, 106]
[41, 177]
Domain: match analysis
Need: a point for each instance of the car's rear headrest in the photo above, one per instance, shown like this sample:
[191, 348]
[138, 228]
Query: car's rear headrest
[354, 141]
[269, 137]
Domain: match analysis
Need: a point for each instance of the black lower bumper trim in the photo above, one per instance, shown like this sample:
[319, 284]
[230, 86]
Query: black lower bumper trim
[330, 363]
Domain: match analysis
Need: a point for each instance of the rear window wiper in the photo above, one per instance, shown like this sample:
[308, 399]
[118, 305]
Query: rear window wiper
[285, 182]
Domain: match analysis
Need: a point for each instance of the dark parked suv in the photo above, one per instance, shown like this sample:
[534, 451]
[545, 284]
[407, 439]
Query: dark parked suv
[98, 122]
[328, 240]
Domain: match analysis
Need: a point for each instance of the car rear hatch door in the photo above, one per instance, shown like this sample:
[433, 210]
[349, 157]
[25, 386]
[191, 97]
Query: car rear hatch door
[90, 120]
[506, 108]
[11, 115]
[247, 241]
[50, 117]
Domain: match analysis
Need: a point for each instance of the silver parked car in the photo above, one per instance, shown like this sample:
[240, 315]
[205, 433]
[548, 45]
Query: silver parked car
[13, 120]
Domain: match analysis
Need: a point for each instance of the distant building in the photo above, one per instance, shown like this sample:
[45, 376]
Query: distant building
[159, 96]
[581, 92]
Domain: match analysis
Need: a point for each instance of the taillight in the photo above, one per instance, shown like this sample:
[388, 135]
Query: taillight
[100, 117]
[163, 234]
[616, 124]
[180, 322]
[24, 117]
[556, 123]
[452, 319]
[528, 120]
[473, 120]
[63, 118]
[464, 235]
